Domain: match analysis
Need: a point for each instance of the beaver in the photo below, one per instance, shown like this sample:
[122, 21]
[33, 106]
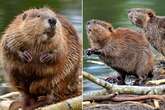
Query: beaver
[42, 57]
[126, 51]
[152, 25]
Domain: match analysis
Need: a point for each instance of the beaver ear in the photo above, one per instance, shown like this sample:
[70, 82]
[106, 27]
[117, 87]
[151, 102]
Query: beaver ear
[24, 16]
[151, 14]
[110, 29]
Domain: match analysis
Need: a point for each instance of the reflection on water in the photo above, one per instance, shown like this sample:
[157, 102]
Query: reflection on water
[114, 11]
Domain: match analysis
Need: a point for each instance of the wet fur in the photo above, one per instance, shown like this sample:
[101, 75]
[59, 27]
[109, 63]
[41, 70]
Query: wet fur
[152, 25]
[124, 50]
[34, 79]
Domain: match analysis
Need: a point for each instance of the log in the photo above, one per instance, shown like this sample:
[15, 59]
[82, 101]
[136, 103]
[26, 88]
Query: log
[7, 99]
[120, 98]
[70, 104]
[138, 90]
[128, 105]
[9, 95]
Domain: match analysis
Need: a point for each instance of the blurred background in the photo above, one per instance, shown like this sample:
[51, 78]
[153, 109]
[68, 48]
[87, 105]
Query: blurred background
[10, 8]
[114, 11]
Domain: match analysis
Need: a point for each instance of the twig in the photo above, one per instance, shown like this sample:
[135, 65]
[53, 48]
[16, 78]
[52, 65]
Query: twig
[156, 104]
[95, 62]
[156, 82]
[9, 95]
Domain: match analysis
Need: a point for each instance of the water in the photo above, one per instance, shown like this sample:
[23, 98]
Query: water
[114, 11]
[10, 8]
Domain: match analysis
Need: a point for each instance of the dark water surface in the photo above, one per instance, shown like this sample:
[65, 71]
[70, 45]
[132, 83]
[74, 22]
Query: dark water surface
[114, 11]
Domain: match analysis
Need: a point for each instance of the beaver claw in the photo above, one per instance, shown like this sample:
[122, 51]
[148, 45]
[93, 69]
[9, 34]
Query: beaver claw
[46, 58]
[25, 56]
[115, 80]
[91, 51]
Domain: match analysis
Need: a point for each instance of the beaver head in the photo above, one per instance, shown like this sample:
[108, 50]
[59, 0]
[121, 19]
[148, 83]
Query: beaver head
[99, 31]
[39, 24]
[140, 16]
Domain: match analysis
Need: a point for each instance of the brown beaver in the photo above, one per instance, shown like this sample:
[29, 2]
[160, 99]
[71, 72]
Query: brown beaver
[124, 50]
[152, 25]
[42, 57]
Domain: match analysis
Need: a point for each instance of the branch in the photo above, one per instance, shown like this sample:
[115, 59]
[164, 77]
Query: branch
[121, 98]
[70, 104]
[156, 82]
[99, 98]
[124, 88]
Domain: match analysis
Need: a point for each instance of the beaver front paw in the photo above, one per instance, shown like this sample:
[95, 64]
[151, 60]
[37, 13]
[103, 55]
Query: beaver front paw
[115, 80]
[91, 51]
[47, 58]
[25, 56]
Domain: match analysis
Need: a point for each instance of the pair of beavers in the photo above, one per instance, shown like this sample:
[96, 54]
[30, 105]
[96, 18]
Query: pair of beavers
[127, 51]
[42, 54]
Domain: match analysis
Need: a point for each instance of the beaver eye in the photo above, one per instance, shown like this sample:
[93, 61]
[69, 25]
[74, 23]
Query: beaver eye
[129, 11]
[150, 14]
[110, 29]
[24, 16]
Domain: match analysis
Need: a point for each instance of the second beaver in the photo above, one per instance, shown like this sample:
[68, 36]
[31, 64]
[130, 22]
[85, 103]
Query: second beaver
[42, 57]
[153, 26]
[126, 51]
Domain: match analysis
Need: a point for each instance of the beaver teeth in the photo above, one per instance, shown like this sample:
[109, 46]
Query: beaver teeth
[50, 33]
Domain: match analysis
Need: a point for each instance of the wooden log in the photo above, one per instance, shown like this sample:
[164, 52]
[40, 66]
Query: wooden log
[70, 104]
[128, 105]
[121, 98]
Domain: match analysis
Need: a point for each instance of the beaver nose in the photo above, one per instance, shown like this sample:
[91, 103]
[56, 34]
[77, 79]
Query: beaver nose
[52, 22]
